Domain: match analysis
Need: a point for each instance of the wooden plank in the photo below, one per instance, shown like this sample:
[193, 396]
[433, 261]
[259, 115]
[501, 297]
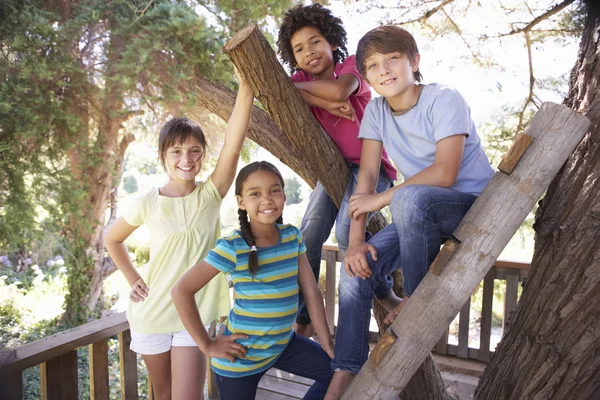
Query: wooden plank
[484, 232]
[330, 288]
[514, 154]
[486, 316]
[12, 386]
[511, 264]
[463, 330]
[98, 352]
[265, 394]
[37, 352]
[128, 367]
[444, 256]
[510, 295]
[286, 376]
[291, 389]
[58, 378]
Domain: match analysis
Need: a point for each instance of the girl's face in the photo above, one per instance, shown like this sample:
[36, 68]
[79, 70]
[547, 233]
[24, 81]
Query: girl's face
[262, 197]
[184, 160]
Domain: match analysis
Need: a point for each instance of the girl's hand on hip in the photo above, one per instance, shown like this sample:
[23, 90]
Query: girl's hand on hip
[225, 346]
[139, 291]
[364, 203]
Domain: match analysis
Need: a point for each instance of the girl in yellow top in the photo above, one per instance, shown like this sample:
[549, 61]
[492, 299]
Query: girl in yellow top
[183, 219]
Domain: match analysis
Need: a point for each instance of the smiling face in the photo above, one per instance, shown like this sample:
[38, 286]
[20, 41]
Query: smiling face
[313, 53]
[184, 160]
[391, 74]
[262, 197]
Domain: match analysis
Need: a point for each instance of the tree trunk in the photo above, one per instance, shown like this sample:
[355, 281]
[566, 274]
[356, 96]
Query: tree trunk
[551, 347]
[297, 139]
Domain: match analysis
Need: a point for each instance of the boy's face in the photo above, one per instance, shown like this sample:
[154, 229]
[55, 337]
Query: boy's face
[313, 53]
[391, 74]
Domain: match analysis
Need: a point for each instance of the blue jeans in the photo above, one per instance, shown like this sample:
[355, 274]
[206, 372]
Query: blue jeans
[317, 222]
[423, 217]
[302, 357]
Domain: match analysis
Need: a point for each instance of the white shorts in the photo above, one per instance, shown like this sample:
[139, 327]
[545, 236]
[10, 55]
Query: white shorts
[157, 343]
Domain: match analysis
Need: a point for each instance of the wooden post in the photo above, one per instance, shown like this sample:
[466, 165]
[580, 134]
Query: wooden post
[483, 233]
[12, 385]
[58, 378]
[510, 295]
[330, 288]
[98, 352]
[463, 330]
[128, 367]
[486, 316]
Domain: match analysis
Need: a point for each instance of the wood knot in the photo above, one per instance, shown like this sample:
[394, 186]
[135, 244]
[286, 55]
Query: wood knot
[382, 347]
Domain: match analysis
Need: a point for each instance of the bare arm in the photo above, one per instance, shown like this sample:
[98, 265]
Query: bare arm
[331, 89]
[114, 240]
[314, 303]
[443, 173]
[183, 297]
[235, 133]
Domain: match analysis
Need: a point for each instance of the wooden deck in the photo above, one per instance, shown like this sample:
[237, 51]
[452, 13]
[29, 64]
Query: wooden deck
[460, 364]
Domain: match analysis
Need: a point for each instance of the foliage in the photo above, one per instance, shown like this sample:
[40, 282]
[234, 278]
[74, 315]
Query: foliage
[77, 78]
[292, 191]
[130, 184]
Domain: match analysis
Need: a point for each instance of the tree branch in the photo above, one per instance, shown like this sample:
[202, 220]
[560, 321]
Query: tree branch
[429, 13]
[459, 32]
[531, 84]
[554, 10]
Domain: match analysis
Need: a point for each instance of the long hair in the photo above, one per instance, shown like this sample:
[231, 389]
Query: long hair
[247, 234]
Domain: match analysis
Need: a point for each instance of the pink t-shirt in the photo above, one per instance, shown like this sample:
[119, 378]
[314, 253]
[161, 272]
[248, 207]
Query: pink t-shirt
[343, 131]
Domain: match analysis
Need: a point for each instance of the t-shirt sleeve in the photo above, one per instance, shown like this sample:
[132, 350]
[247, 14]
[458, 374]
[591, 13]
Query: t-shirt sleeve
[223, 256]
[349, 67]
[209, 189]
[299, 76]
[134, 211]
[450, 114]
[301, 245]
[369, 128]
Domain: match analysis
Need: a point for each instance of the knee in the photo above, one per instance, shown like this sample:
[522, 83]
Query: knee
[409, 203]
[162, 390]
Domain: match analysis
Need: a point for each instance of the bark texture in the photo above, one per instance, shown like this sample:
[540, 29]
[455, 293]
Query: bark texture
[551, 347]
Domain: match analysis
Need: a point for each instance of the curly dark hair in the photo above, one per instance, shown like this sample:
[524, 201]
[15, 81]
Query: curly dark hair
[314, 15]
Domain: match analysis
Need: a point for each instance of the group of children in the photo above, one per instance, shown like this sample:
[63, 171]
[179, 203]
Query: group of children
[430, 137]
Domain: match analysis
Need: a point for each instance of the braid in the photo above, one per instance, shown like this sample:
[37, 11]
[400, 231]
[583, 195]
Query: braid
[249, 238]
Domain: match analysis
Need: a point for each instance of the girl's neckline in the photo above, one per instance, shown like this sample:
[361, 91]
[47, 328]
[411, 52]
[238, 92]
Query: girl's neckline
[278, 227]
[178, 197]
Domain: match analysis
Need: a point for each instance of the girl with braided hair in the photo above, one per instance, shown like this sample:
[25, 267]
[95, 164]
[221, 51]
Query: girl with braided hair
[267, 263]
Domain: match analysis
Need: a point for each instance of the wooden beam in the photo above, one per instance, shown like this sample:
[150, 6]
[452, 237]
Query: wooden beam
[330, 288]
[12, 386]
[483, 233]
[486, 316]
[99, 370]
[128, 367]
[58, 378]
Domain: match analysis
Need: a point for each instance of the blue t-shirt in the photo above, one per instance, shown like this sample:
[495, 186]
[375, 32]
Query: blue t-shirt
[411, 138]
[265, 305]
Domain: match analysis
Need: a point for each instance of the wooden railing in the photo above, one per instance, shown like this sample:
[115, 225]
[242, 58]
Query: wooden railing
[57, 354]
[511, 272]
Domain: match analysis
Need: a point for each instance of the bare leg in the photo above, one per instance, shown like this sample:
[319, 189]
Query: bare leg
[159, 369]
[188, 368]
[340, 382]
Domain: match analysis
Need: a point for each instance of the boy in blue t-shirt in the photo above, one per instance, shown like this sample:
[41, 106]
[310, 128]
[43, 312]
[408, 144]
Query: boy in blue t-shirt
[430, 136]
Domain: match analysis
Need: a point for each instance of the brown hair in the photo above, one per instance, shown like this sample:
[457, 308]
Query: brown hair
[383, 40]
[245, 228]
[176, 131]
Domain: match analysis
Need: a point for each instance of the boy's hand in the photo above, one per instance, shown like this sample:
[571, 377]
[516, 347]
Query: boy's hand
[225, 346]
[355, 259]
[139, 291]
[364, 203]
